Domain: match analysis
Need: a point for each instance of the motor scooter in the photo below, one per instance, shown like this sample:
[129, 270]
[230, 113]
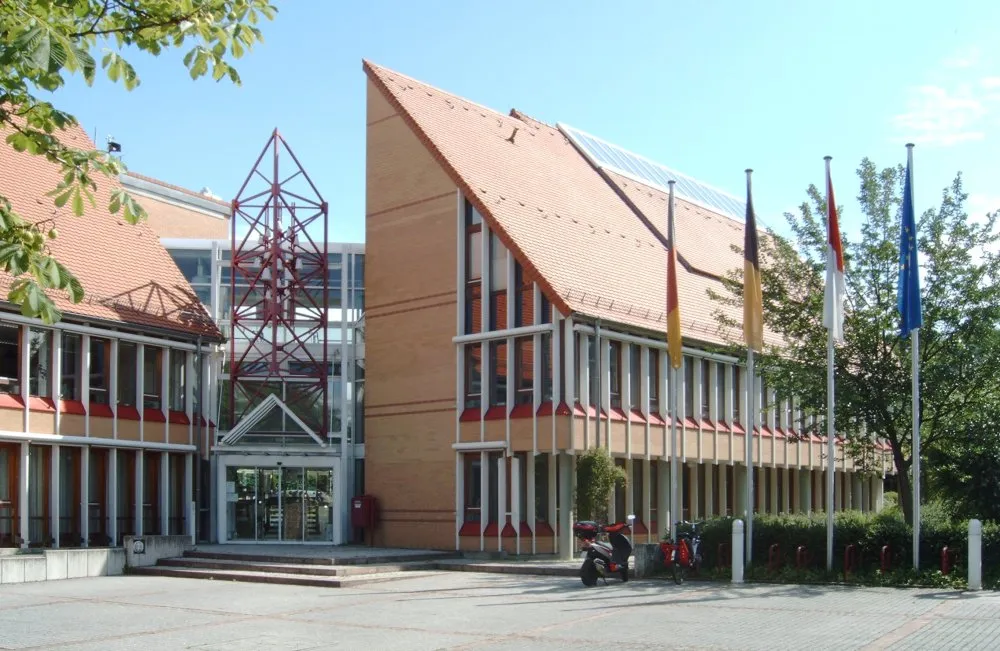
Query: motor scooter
[604, 557]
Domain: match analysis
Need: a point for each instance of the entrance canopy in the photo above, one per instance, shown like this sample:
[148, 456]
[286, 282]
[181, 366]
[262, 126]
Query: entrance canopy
[246, 426]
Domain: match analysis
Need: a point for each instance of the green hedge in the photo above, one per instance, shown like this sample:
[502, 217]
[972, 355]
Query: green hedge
[869, 532]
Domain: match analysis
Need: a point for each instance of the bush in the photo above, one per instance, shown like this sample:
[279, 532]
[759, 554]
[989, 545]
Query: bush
[596, 477]
[869, 533]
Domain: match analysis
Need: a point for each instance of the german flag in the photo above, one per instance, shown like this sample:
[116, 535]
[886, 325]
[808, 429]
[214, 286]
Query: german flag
[673, 304]
[753, 306]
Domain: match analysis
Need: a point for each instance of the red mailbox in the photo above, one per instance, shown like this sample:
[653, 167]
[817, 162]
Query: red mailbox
[364, 511]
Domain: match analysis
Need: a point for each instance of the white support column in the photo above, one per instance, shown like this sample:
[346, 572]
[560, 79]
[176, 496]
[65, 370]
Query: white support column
[786, 485]
[530, 517]
[838, 486]
[84, 505]
[484, 492]
[760, 487]
[140, 388]
[459, 496]
[566, 472]
[165, 388]
[85, 390]
[189, 384]
[857, 494]
[165, 493]
[773, 472]
[56, 389]
[723, 489]
[693, 511]
[848, 490]
[604, 386]
[626, 397]
[819, 504]
[111, 508]
[630, 506]
[709, 489]
[54, 494]
[554, 512]
[646, 513]
[663, 497]
[806, 490]
[515, 501]
[23, 494]
[189, 522]
[877, 493]
[25, 366]
[502, 507]
[140, 481]
[740, 492]
[585, 386]
[112, 372]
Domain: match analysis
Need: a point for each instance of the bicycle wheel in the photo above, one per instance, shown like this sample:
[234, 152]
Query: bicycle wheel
[679, 571]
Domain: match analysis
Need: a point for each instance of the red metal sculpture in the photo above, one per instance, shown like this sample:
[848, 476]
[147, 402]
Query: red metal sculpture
[279, 289]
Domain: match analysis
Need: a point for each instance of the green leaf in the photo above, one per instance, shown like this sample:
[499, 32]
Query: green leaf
[77, 202]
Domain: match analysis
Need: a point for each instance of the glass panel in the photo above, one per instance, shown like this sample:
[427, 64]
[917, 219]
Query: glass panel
[40, 363]
[292, 504]
[241, 503]
[524, 370]
[195, 265]
[97, 491]
[10, 359]
[152, 377]
[268, 503]
[69, 382]
[319, 504]
[69, 507]
[473, 376]
[178, 371]
[498, 375]
[127, 361]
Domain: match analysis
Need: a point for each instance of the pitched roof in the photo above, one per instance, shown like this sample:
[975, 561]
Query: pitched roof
[566, 224]
[127, 276]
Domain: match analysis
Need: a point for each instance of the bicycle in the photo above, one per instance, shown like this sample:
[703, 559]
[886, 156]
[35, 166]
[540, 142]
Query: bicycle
[684, 554]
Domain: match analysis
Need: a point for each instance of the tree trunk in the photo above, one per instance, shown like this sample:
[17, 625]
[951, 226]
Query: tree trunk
[904, 487]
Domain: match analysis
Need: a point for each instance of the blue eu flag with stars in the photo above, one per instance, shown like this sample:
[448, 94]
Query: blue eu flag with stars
[909, 274]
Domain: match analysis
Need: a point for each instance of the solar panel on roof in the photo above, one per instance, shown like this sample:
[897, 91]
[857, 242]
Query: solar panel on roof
[612, 157]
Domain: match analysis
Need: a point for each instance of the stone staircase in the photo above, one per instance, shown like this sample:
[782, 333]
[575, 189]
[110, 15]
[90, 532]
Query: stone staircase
[296, 570]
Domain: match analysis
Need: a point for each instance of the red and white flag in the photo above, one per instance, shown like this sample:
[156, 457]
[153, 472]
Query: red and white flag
[836, 288]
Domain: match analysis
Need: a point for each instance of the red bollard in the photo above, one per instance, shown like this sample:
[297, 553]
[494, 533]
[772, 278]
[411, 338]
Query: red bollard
[850, 559]
[723, 555]
[886, 559]
[801, 557]
[774, 558]
[946, 560]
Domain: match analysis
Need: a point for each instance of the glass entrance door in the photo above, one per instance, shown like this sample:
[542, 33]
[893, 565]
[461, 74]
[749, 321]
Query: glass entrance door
[279, 504]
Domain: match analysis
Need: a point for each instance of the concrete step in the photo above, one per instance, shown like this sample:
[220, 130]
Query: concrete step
[536, 568]
[291, 558]
[294, 568]
[284, 578]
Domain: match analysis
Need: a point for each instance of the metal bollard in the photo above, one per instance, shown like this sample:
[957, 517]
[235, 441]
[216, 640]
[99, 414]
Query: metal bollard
[975, 555]
[737, 547]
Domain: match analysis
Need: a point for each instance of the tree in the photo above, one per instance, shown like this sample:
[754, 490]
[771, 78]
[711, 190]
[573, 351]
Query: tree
[596, 477]
[43, 41]
[959, 345]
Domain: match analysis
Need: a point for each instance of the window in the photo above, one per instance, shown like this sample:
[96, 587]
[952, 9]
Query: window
[40, 363]
[152, 391]
[542, 487]
[706, 389]
[127, 360]
[473, 487]
[498, 373]
[178, 380]
[10, 359]
[635, 376]
[688, 387]
[577, 369]
[524, 370]
[737, 393]
[196, 265]
[473, 376]
[638, 490]
[546, 354]
[720, 391]
[473, 270]
[100, 361]
[524, 298]
[546, 315]
[498, 284]
[493, 470]
[72, 359]
[654, 380]
[592, 371]
[615, 372]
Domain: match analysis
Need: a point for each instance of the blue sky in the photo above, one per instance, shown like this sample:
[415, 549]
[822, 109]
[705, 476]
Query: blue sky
[708, 88]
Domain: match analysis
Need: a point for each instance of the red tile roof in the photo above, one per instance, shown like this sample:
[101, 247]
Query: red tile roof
[589, 250]
[128, 277]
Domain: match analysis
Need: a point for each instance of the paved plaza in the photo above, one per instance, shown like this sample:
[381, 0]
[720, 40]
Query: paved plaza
[462, 610]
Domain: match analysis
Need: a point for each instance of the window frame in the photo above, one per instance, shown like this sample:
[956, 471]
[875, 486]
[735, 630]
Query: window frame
[123, 399]
[635, 376]
[654, 379]
[102, 370]
[498, 372]
[178, 381]
[524, 370]
[615, 373]
[39, 376]
[76, 376]
[473, 393]
[152, 400]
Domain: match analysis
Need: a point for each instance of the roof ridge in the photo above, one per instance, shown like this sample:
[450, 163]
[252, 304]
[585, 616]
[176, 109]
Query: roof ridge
[171, 186]
[391, 75]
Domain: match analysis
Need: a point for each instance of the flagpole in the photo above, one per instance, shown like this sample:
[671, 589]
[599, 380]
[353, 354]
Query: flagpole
[748, 438]
[915, 362]
[830, 425]
[748, 444]
[673, 349]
